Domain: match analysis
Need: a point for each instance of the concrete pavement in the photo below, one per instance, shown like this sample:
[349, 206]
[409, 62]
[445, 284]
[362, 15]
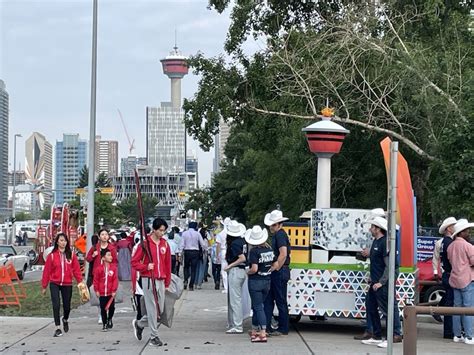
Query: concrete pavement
[199, 325]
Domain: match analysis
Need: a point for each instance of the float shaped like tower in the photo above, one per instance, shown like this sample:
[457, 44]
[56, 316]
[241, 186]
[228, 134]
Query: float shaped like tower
[325, 139]
[175, 66]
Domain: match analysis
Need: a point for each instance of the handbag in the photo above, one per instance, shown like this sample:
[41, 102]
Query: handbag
[83, 292]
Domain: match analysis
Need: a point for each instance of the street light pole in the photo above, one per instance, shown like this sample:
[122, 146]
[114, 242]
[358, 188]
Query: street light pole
[92, 128]
[14, 187]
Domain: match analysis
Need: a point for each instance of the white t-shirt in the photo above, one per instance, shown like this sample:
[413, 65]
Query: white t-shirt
[221, 238]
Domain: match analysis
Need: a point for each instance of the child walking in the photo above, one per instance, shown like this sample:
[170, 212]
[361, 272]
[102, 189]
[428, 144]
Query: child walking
[260, 262]
[106, 285]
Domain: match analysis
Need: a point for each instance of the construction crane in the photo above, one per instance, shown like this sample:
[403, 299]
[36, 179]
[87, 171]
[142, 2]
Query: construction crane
[131, 143]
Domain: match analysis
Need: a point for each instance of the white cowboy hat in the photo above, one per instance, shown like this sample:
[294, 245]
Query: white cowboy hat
[377, 212]
[461, 225]
[226, 221]
[256, 235]
[273, 217]
[235, 229]
[446, 223]
[378, 221]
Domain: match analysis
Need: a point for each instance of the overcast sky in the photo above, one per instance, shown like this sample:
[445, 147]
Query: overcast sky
[45, 61]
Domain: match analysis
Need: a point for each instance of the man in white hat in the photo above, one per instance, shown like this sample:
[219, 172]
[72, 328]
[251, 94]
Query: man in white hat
[461, 257]
[377, 296]
[446, 229]
[280, 274]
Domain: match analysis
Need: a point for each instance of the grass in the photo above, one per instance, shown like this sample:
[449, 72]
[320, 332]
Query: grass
[35, 304]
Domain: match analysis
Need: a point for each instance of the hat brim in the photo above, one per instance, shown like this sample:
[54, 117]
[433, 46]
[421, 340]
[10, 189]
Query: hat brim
[443, 227]
[269, 222]
[263, 238]
[239, 233]
[375, 223]
[466, 226]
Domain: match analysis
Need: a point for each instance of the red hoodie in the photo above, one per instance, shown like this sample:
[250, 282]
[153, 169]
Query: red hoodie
[106, 279]
[58, 270]
[97, 260]
[161, 255]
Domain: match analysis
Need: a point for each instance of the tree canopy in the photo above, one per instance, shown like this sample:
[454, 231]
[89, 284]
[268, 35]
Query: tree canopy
[402, 69]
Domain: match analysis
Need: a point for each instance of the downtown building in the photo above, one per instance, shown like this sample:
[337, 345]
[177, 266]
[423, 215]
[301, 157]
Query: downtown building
[130, 163]
[39, 170]
[71, 157]
[220, 141]
[4, 107]
[106, 157]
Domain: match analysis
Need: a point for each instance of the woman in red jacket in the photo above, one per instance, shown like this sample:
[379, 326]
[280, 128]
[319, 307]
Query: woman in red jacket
[105, 286]
[60, 268]
[93, 256]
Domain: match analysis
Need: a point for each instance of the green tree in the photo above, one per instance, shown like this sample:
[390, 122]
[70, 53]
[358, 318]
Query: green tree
[103, 180]
[200, 200]
[22, 216]
[383, 70]
[83, 177]
[46, 213]
[129, 208]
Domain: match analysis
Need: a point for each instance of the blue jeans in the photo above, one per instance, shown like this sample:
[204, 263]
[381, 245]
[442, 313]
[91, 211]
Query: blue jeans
[463, 297]
[278, 295]
[447, 301]
[258, 289]
[376, 300]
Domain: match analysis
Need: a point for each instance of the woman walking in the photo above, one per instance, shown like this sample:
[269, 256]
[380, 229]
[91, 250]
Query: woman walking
[236, 258]
[260, 262]
[60, 268]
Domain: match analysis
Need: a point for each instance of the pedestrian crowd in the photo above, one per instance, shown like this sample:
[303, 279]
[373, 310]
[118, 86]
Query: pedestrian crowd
[252, 269]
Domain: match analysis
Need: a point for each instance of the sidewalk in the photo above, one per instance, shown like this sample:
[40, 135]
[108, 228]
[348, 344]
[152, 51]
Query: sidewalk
[199, 328]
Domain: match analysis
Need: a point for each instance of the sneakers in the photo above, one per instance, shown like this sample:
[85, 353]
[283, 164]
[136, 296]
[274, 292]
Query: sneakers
[58, 333]
[372, 341]
[110, 325]
[104, 328]
[156, 342]
[99, 321]
[457, 339]
[468, 341]
[234, 331]
[191, 288]
[216, 286]
[396, 339]
[137, 330]
[365, 336]
[65, 325]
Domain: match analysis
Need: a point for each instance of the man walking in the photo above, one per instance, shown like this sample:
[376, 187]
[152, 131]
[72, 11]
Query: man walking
[377, 297]
[280, 274]
[156, 270]
[461, 257]
[446, 229]
[191, 241]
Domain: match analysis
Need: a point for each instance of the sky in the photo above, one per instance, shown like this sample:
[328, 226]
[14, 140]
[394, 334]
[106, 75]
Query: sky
[45, 61]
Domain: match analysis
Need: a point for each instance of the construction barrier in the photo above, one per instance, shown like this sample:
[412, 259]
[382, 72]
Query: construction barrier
[8, 294]
[21, 291]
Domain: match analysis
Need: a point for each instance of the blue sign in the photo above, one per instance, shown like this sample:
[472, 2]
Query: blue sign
[425, 247]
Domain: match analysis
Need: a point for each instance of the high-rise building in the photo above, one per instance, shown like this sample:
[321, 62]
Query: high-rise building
[130, 163]
[166, 133]
[166, 138]
[192, 167]
[106, 157]
[20, 177]
[220, 141]
[39, 168]
[3, 147]
[71, 157]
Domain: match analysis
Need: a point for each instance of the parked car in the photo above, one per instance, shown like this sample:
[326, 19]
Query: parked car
[8, 254]
[429, 293]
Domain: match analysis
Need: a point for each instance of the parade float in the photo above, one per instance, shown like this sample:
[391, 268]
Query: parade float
[326, 277]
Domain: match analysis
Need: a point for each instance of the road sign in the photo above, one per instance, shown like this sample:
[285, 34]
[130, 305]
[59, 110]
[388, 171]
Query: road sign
[107, 190]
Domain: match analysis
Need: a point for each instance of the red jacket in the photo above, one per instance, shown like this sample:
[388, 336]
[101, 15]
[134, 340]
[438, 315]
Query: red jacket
[161, 255]
[97, 260]
[106, 279]
[59, 270]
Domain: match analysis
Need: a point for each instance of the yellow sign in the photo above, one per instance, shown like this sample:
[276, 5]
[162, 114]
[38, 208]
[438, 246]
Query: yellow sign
[182, 194]
[80, 191]
[107, 190]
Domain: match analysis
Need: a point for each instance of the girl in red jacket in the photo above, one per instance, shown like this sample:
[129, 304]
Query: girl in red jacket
[93, 256]
[105, 286]
[60, 267]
